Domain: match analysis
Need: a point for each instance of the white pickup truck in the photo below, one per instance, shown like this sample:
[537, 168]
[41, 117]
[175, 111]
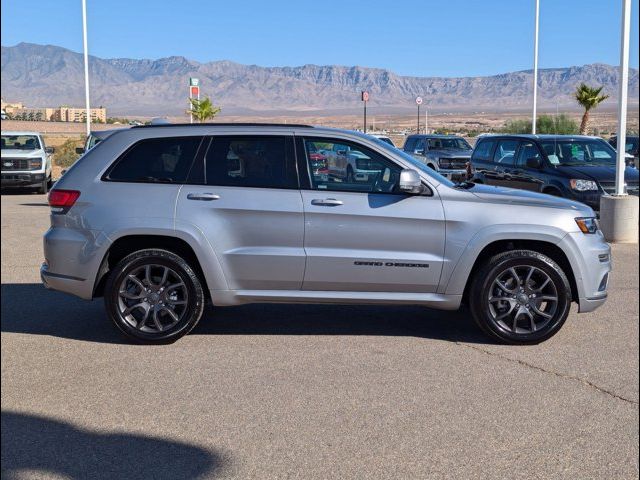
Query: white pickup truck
[26, 161]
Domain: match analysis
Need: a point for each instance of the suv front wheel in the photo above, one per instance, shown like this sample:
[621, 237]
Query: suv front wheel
[154, 296]
[520, 297]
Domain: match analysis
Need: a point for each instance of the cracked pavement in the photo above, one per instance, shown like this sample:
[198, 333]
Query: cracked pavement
[301, 391]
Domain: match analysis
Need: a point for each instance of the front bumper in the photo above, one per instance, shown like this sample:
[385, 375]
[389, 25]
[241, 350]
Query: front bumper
[21, 179]
[590, 258]
[455, 175]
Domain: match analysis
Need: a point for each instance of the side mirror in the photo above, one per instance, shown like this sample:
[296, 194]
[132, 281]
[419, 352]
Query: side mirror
[410, 182]
[49, 150]
[534, 162]
[79, 150]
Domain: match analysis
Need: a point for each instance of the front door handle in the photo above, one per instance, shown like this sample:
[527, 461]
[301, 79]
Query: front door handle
[207, 197]
[326, 202]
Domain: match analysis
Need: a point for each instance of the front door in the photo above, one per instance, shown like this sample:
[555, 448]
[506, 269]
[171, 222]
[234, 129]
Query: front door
[363, 235]
[244, 197]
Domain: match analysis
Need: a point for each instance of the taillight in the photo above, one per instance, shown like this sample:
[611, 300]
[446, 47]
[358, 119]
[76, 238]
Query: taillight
[61, 201]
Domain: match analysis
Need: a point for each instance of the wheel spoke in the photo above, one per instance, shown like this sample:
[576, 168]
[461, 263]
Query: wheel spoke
[502, 286]
[147, 274]
[528, 279]
[515, 275]
[156, 320]
[540, 312]
[171, 313]
[547, 298]
[544, 284]
[135, 280]
[176, 302]
[175, 285]
[165, 274]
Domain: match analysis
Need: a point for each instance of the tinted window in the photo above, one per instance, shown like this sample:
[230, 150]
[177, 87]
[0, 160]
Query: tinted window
[483, 150]
[349, 167]
[577, 152]
[505, 152]
[448, 144]
[410, 144]
[251, 161]
[527, 150]
[165, 160]
[20, 142]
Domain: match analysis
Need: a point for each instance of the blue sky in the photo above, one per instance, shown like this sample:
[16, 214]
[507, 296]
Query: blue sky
[411, 37]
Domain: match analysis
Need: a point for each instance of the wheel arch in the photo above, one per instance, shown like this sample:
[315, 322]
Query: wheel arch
[549, 249]
[129, 243]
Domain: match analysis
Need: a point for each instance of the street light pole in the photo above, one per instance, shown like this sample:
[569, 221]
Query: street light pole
[86, 66]
[622, 96]
[535, 69]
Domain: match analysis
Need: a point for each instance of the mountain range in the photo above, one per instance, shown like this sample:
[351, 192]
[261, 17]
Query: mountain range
[48, 75]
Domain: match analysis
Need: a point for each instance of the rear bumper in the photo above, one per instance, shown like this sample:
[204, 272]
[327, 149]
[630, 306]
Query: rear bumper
[65, 283]
[22, 179]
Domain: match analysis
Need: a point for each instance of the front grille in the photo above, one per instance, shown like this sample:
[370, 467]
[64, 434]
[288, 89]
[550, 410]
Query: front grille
[455, 163]
[610, 188]
[15, 164]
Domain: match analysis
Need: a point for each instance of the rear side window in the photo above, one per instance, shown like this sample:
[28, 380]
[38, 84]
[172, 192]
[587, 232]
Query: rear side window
[251, 161]
[162, 160]
[505, 152]
[483, 150]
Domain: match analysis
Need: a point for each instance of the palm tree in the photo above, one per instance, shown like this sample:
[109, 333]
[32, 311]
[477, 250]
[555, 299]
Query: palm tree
[203, 110]
[588, 98]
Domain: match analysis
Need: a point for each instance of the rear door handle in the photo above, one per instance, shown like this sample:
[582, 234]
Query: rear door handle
[207, 197]
[326, 202]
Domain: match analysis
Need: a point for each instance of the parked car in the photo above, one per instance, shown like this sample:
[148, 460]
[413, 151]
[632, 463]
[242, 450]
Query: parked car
[631, 149]
[161, 220]
[382, 137]
[94, 138]
[347, 163]
[26, 161]
[575, 167]
[446, 154]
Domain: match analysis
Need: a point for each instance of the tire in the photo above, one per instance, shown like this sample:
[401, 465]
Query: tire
[525, 311]
[44, 186]
[159, 312]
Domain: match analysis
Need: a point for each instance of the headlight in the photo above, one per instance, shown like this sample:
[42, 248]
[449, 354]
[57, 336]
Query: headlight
[583, 185]
[444, 162]
[587, 224]
[35, 163]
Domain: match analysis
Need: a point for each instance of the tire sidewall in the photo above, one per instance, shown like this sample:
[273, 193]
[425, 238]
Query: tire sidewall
[480, 300]
[194, 291]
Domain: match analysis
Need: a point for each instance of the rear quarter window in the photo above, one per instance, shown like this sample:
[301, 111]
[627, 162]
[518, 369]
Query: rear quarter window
[483, 151]
[161, 160]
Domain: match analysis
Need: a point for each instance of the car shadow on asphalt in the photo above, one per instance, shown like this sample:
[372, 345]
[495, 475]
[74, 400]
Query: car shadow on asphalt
[31, 309]
[34, 445]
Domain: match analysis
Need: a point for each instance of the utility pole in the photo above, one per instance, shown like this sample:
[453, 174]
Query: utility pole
[535, 70]
[622, 96]
[364, 96]
[418, 102]
[86, 66]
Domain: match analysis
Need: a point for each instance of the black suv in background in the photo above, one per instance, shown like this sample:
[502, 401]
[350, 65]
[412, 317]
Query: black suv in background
[631, 148]
[577, 167]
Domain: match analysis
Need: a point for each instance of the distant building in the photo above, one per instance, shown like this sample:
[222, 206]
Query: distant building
[72, 114]
[18, 111]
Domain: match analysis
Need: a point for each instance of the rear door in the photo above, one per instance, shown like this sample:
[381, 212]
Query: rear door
[364, 235]
[244, 196]
[504, 160]
[482, 161]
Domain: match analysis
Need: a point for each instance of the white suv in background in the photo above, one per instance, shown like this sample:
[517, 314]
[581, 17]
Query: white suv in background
[26, 161]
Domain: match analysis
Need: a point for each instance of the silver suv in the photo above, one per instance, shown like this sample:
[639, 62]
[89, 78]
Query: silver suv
[161, 220]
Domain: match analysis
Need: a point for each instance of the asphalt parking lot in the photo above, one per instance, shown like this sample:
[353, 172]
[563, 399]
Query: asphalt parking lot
[284, 391]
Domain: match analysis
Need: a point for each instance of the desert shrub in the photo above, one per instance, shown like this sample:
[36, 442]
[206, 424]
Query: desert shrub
[545, 124]
[65, 154]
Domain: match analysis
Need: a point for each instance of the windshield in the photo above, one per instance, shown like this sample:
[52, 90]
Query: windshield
[579, 152]
[448, 144]
[20, 142]
[417, 164]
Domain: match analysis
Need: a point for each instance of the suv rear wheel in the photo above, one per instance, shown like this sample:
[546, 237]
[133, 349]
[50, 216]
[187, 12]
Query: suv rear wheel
[520, 297]
[154, 296]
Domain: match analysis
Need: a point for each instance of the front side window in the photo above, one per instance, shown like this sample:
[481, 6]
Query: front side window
[161, 160]
[348, 167]
[505, 152]
[20, 142]
[527, 150]
[579, 152]
[250, 161]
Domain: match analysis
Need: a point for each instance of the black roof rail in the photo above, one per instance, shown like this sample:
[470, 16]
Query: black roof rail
[228, 124]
